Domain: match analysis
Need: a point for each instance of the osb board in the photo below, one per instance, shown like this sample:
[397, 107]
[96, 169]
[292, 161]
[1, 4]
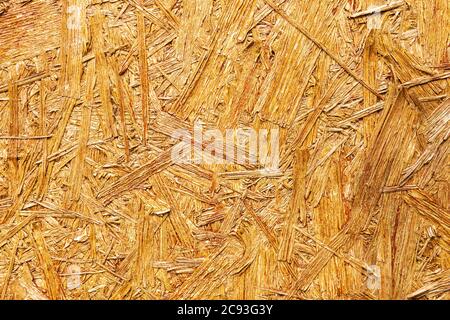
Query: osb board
[92, 206]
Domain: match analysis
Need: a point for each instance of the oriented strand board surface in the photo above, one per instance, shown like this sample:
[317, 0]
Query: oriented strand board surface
[93, 204]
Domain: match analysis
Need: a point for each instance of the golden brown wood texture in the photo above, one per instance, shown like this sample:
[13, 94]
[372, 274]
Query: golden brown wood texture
[93, 204]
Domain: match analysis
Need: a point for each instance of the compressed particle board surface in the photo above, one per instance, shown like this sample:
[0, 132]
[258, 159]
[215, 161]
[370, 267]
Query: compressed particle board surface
[218, 149]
